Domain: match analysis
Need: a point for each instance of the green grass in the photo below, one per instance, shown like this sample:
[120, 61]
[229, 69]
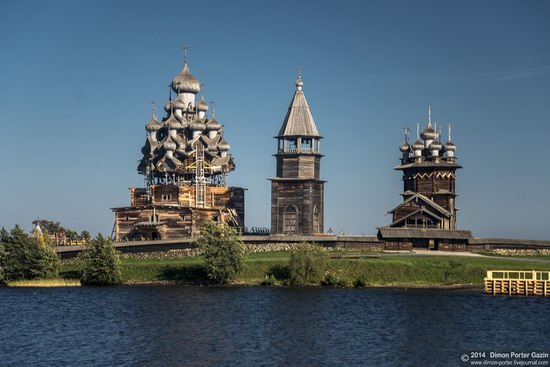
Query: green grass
[44, 283]
[391, 270]
[488, 253]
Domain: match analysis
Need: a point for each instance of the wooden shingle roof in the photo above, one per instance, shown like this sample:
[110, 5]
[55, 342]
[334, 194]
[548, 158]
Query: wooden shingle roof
[387, 232]
[417, 196]
[298, 120]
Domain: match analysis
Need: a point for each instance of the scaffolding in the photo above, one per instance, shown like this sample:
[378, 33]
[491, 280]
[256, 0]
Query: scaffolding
[200, 179]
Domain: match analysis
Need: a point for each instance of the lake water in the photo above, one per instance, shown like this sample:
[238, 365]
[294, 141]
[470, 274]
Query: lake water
[262, 326]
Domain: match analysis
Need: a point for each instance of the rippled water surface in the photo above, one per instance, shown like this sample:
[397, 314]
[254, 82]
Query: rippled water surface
[250, 326]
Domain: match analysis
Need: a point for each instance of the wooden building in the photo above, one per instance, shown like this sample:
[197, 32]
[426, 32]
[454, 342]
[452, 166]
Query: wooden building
[185, 162]
[297, 192]
[429, 193]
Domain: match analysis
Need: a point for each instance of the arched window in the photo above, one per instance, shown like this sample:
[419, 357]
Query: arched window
[154, 218]
[316, 222]
[290, 217]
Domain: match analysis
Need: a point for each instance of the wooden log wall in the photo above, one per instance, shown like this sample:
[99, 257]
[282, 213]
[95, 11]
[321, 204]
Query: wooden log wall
[299, 166]
[304, 196]
[175, 211]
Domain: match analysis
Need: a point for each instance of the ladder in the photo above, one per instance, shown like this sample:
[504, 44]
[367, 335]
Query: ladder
[235, 219]
[200, 180]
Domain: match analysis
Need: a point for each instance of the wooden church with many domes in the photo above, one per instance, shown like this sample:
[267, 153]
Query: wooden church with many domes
[427, 215]
[185, 162]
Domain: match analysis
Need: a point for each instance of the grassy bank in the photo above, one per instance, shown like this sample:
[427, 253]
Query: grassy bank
[45, 283]
[406, 271]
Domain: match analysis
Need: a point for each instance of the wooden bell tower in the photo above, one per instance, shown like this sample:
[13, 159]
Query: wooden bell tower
[297, 192]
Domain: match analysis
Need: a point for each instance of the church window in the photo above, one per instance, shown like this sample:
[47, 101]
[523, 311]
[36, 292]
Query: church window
[290, 219]
[316, 227]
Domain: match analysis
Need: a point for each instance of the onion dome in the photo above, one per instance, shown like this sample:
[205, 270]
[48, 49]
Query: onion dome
[418, 145]
[183, 121]
[202, 105]
[197, 125]
[173, 123]
[153, 125]
[405, 147]
[428, 133]
[435, 145]
[185, 82]
[213, 125]
[169, 144]
[449, 146]
[179, 104]
[223, 146]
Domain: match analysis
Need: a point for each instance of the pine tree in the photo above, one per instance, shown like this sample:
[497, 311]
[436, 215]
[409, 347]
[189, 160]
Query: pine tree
[25, 258]
[100, 263]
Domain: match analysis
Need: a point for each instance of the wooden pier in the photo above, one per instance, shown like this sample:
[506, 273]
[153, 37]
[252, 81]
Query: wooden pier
[517, 283]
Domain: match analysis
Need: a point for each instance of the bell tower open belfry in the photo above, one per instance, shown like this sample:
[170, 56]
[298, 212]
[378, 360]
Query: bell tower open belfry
[297, 192]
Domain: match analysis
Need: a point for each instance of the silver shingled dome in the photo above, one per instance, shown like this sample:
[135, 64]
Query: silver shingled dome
[153, 124]
[185, 82]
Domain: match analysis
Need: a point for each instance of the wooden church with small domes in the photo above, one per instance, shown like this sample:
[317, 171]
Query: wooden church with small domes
[427, 215]
[185, 163]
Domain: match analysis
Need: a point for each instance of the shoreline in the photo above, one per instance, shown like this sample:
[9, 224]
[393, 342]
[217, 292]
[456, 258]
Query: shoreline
[388, 271]
[76, 283]
[168, 283]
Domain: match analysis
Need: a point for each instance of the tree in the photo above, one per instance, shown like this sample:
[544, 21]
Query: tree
[26, 258]
[100, 263]
[222, 251]
[85, 235]
[1, 260]
[307, 264]
[50, 226]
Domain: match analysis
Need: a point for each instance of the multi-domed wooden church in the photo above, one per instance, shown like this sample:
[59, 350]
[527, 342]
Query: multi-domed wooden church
[185, 162]
[427, 215]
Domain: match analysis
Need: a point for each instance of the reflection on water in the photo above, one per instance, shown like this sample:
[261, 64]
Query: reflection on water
[215, 326]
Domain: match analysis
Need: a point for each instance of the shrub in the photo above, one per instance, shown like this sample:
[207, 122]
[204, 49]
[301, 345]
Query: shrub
[25, 257]
[307, 264]
[330, 279]
[280, 272]
[1, 261]
[334, 280]
[269, 280]
[222, 251]
[100, 263]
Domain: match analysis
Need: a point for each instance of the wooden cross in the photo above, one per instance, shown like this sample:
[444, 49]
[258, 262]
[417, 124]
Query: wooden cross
[185, 54]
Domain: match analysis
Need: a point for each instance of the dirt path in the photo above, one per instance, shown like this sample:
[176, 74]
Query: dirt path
[417, 252]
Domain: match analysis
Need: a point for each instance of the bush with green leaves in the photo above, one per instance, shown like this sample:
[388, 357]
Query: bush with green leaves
[100, 263]
[25, 257]
[1, 261]
[222, 251]
[307, 264]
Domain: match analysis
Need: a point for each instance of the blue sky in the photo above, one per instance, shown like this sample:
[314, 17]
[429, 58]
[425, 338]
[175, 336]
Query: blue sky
[77, 79]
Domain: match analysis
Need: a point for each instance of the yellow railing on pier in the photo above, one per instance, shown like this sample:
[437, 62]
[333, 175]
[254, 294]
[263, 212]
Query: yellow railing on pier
[517, 282]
